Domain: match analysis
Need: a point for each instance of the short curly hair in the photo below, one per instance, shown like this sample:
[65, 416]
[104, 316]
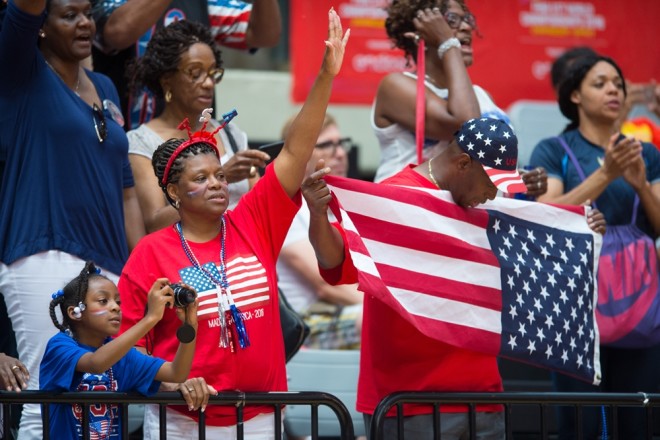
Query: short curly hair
[399, 21]
[164, 52]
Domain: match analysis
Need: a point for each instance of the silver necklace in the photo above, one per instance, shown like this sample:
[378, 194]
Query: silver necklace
[75, 90]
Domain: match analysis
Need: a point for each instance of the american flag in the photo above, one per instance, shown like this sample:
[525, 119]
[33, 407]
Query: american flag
[510, 278]
[247, 283]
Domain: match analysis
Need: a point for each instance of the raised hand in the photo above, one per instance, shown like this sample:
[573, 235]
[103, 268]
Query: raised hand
[431, 27]
[335, 44]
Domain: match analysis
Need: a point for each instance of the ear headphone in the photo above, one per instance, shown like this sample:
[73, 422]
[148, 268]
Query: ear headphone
[77, 311]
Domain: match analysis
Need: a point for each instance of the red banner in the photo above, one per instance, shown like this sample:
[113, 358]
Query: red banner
[519, 40]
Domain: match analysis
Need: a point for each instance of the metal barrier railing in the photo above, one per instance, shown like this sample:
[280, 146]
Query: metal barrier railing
[544, 401]
[237, 399]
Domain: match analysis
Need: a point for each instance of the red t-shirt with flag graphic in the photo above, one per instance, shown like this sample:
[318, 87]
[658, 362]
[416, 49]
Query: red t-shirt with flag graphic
[255, 232]
[395, 356]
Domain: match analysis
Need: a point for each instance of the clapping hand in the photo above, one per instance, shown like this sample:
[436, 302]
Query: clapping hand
[620, 154]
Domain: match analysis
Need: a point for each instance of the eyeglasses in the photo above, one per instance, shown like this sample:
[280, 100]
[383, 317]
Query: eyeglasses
[197, 75]
[454, 20]
[345, 143]
[99, 123]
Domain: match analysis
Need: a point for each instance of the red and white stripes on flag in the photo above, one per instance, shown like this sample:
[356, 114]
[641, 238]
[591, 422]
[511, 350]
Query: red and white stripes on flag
[435, 263]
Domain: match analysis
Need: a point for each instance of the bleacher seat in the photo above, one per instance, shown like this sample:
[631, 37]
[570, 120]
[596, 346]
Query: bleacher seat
[534, 121]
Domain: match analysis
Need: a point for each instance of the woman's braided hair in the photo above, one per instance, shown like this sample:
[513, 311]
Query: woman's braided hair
[164, 52]
[164, 152]
[399, 21]
[73, 294]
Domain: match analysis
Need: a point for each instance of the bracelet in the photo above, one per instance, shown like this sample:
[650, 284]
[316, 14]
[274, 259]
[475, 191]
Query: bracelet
[448, 44]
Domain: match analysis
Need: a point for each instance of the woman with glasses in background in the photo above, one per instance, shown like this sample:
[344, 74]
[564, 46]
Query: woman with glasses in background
[447, 27]
[67, 187]
[182, 64]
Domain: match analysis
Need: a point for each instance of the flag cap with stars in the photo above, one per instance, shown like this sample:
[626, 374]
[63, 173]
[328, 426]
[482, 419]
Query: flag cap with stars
[494, 144]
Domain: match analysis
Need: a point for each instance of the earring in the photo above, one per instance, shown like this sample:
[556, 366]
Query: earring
[77, 311]
[177, 203]
[42, 34]
[168, 96]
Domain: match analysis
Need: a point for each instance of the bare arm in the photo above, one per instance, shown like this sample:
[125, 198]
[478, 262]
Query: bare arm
[265, 25]
[132, 218]
[130, 21]
[300, 256]
[396, 98]
[156, 212]
[179, 368]
[109, 354]
[291, 163]
[649, 195]
[327, 242]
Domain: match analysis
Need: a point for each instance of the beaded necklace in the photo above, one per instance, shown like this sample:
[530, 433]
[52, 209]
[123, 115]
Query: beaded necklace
[227, 309]
[97, 428]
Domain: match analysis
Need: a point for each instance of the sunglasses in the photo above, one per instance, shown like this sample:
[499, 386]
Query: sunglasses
[345, 143]
[197, 75]
[99, 123]
[454, 20]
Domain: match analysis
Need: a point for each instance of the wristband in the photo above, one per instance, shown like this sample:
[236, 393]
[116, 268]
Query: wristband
[448, 44]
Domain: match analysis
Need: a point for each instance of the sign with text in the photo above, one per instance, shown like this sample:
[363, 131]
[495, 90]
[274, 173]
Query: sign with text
[514, 45]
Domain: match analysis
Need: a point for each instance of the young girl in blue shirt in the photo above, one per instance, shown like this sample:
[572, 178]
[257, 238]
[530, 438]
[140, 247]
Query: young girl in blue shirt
[83, 356]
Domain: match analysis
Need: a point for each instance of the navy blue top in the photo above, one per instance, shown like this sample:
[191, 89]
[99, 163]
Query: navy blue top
[616, 202]
[61, 188]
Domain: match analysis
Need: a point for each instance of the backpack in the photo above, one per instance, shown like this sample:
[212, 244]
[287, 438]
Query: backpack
[628, 309]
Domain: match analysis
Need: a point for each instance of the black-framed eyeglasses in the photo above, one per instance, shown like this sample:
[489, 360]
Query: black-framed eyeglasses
[99, 123]
[454, 20]
[197, 75]
[345, 143]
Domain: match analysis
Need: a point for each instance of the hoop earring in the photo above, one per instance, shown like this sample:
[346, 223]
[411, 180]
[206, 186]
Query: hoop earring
[177, 204]
[168, 96]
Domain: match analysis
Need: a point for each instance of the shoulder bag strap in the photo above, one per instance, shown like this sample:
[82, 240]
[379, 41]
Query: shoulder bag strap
[580, 172]
[232, 140]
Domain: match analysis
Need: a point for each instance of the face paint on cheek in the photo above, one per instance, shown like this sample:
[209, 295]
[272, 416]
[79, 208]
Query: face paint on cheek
[99, 313]
[197, 192]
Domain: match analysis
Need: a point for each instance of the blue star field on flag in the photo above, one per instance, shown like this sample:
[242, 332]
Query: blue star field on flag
[198, 279]
[547, 294]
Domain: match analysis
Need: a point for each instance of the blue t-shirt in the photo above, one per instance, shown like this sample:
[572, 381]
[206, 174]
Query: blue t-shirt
[57, 373]
[61, 188]
[616, 202]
